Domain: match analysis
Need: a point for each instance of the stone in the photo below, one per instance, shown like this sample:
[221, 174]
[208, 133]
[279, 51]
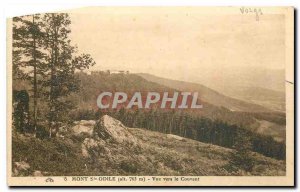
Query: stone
[109, 128]
[176, 137]
[78, 129]
[37, 174]
[87, 122]
[20, 168]
[92, 145]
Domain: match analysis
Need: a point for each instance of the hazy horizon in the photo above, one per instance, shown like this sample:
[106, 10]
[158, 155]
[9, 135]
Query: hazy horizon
[182, 43]
[160, 39]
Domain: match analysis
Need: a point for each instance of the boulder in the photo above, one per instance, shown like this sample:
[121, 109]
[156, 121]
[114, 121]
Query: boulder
[78, 129]
[83, 126]
[176, 137]
[87, 122]
[109, 128]
[107, 133]
[20, 168]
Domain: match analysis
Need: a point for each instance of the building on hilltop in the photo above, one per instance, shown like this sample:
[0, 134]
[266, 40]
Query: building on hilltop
[109, 72]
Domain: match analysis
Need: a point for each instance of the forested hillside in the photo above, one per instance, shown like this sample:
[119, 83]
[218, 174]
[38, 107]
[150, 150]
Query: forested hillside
[212, 124]
[92, 85]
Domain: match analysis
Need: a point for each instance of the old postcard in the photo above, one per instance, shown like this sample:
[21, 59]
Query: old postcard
[151, 96]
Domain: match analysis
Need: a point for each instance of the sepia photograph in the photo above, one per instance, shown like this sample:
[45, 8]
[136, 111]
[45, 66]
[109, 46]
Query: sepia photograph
[151, 96]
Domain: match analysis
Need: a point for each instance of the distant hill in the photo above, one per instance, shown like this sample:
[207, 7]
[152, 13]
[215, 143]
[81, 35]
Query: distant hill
[221, 78]
[92, 85]
[206, 94]
[272, 99]
[255, 85]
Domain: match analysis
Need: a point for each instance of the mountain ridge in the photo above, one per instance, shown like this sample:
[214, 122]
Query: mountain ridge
[207, 94]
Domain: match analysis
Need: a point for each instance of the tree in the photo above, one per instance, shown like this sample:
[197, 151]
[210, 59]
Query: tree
[242, 157]
[27, 54]
[21, 110]
[62, 63]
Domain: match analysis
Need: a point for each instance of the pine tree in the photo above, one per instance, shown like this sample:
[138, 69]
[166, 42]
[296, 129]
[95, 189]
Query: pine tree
[28, 57]
[62, 61]
[242, 157]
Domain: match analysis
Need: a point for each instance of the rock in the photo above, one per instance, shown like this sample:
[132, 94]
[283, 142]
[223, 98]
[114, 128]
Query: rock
[78, 129]
[87, 144]
[99, 142]
[109, 128]
[20, 168]
[22, 165]
[83, 126]
[45, 173]
[91, 146]
[87, 122]
[171, 136]
[37, 174]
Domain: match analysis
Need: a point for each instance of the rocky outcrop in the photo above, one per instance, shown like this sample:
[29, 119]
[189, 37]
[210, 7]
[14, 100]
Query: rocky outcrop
[108, 128]
[83, 126]
[106, 133]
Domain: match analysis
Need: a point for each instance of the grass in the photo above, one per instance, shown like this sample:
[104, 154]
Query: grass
[155, 154]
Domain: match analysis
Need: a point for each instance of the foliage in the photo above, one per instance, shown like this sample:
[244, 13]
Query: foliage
[28, 56]
[43, 54]
[242, 157]
[21, 110]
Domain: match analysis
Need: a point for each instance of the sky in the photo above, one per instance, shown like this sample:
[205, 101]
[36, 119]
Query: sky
[170, 41]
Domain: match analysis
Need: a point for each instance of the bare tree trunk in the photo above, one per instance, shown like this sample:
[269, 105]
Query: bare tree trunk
[34, 81]
[54, 58]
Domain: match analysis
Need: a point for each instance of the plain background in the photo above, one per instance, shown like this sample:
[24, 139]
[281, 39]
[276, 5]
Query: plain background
[11, 8]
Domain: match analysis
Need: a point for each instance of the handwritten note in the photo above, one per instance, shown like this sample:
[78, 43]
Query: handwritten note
[249, 10]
